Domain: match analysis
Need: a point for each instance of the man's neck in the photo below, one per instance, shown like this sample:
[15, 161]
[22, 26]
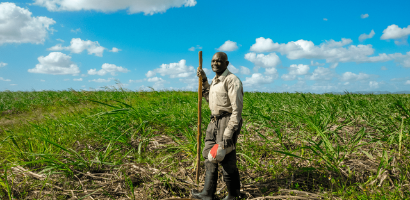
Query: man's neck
[218, 74]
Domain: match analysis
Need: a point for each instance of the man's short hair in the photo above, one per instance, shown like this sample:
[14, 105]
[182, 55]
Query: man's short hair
[223, 55]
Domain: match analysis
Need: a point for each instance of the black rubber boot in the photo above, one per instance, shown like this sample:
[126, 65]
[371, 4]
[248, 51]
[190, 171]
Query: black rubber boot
[211, 178]
[233, 186]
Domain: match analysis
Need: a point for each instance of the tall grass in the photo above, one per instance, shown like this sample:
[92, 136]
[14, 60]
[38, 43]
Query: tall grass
[332, 145]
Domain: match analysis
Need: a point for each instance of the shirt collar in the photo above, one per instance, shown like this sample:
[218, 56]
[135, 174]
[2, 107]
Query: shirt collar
[223, 75]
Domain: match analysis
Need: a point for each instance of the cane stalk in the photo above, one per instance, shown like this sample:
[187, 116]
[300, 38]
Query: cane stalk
[198, 149]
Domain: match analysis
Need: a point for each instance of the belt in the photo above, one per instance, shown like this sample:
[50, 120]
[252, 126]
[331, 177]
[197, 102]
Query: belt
[215, 118]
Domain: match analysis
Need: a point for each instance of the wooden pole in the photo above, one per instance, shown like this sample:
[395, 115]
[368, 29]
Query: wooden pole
[198, 148]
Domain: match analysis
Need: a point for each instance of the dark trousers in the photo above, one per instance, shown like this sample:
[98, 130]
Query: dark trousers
[214, 135]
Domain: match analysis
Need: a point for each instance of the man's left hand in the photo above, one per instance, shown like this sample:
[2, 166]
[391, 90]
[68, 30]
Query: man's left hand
[228, 143]
[227, 138]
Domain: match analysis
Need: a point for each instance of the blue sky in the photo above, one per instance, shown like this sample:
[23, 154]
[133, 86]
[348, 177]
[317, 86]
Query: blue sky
[274, 46]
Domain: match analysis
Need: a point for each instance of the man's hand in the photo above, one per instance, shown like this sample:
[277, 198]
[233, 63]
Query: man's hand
[228, 143]
[227, 138]
[201, 72]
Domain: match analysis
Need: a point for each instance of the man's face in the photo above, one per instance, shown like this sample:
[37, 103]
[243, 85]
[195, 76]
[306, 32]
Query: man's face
[219, 63]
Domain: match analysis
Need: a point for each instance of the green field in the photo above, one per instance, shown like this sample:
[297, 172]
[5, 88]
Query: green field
[118, 144]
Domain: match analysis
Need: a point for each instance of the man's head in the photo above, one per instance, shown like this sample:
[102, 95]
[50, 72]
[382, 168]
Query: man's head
[219, 62]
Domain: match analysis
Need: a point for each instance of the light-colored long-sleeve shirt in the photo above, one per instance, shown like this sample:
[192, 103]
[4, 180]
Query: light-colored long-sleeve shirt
[225, 93]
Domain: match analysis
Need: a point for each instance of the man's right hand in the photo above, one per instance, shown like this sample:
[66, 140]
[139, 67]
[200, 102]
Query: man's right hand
[201, 72]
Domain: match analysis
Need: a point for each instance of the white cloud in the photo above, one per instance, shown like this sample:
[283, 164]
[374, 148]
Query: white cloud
[77, 46]
[78, 79]
[158, 82]
[2, 64]
[136, 81]
[101, 80]
[108, 68]
[66, 79]
[206, 70]
[43, 80]
[156, 79]
[318, 87]
[295, 70]
[333, 65]
[18, 26]
[321, 74]
[395, 32]
[245, 70]
[232, 69]
[144, 88]
[363, 16]
[288, 77]
[261, 60]
[365, 36]
[174, 70]
[55, 63]
[332, 43]
[272, 72]
[191, 84]
[115, 50]
[190, 81]
[349, 76]
[257, 79]
[13, 84]
[150, 74]
[3, 79]
[316, 63]
[383, 68]
[331, 50]
[339, 86]
[182, 75]
[256, 69]
[324, 19]
[299, 69]
[402, 41]
[60, 40]
[148, 7]
[407, 82]
[264, 45]
[399, 79]
[228, 46]
[373, 84]
[402, 59]
[194, 48]
[76, 30]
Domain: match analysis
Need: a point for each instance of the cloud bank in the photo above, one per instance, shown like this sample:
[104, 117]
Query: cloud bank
[148, 7]
[228, 46]
[55, 63]
[77, 45]
[18, 26]
[108, 68]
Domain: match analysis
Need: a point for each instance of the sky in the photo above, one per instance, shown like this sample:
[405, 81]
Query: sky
[273, 46]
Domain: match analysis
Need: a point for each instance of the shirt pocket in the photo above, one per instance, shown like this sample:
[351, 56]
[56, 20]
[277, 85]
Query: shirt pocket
[221, 98]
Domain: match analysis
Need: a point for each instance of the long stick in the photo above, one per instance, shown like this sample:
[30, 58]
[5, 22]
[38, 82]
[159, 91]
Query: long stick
[198, 148]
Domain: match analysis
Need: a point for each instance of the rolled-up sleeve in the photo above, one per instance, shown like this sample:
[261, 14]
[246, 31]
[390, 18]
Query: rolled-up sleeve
[205, 90]
[235, 94]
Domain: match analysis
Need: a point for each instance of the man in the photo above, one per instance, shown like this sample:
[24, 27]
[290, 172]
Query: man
[225, 97]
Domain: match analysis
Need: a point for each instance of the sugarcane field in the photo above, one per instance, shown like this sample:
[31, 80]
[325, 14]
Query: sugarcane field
[204, 100]
[118, 144]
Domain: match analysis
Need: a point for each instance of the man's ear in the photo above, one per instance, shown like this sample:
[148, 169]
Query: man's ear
[227, 63]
